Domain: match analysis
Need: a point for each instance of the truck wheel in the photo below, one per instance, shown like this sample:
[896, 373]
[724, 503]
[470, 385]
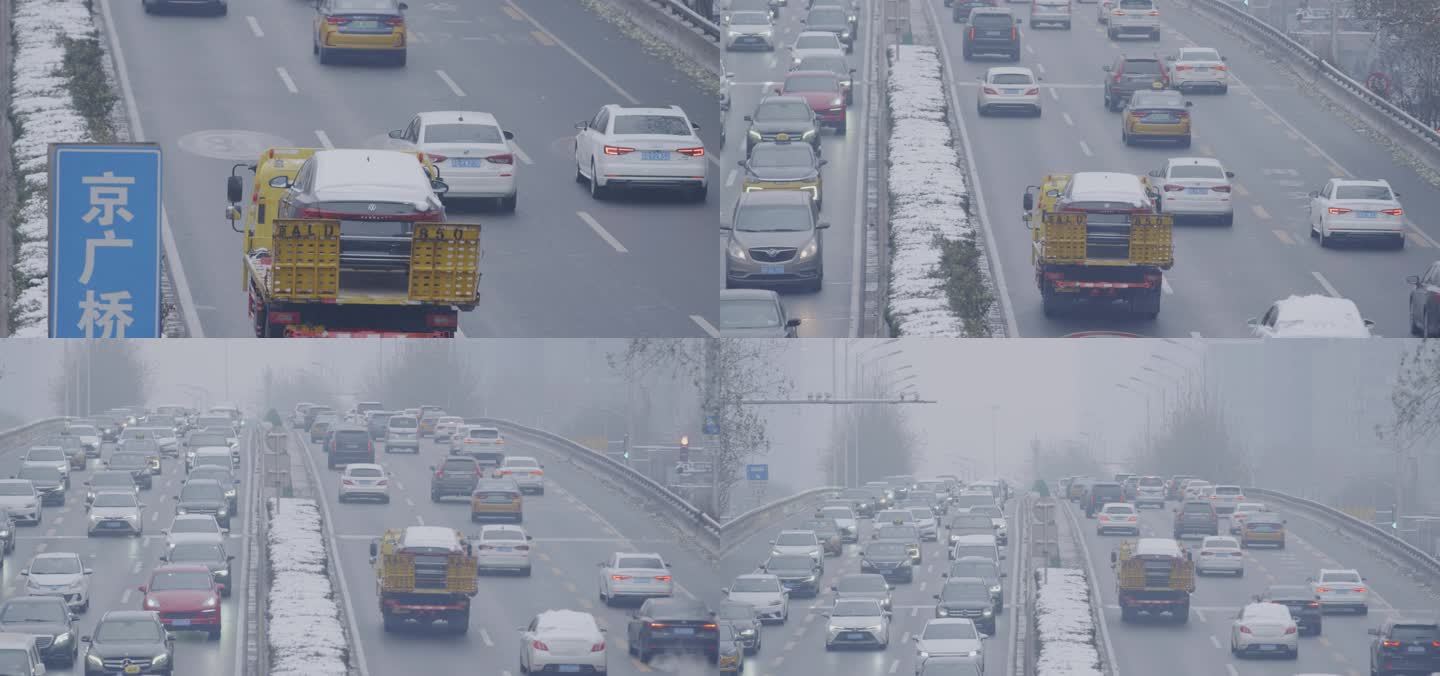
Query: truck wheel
[392, 623]
[1127, 615]
[459, 623]
[1182, 613]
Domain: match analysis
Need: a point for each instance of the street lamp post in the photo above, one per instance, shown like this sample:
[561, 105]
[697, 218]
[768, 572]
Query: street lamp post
[994, 440]
[1144, 396]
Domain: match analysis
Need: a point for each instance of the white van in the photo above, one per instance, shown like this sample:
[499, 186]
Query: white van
[985, 546]
[1134, 17]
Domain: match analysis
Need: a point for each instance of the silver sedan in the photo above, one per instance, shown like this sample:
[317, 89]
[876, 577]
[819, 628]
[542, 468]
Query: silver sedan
[1009, 88]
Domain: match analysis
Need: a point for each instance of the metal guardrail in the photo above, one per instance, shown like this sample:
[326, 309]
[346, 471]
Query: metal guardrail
[682, 10]
[16, 437]
[705, 529]
[746, 524]
[1388, 542]
[1408, 133]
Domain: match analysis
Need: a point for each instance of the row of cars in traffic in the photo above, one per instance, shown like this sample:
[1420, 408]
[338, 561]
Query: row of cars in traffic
[1284, 610]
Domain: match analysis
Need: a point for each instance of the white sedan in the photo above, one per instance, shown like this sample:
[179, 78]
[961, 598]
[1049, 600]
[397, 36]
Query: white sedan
[1195, 186]
[1199, 67]
[1220, 554]
[563, 641]
[950, 637]
[799, 542]
[1008, 88]
[815, 43]
[1313, 316]
[635, 575]
[1118, 516]
[1264, 628]
[364, 481]
[750, 30]
[503, 547]
[527, 472]
[1337, 588]
[641, 147]
[1357, 209]
[473, 154]
[762, 592]
[1242, 512]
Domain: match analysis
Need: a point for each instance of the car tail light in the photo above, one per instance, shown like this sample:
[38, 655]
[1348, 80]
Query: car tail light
[691, 152]
[1393, 212]
[436, 159]
[537, 472]
[336, 20]
[440, 473]
[1032, 91]
[1435, 644]
[382, 482]
[1118, 12]
[1207, 553]
[1221, 67]
[1183, 67]
[1321, 590]
[486, 548]
[1153, 12]
[1390, 644]
[1338, 210]
[1171, 187]
[539, 645]
[1359, 589]
[1314, 604]
[991, 91]
[1290, 630]
[618, 150]
[662, 578]
[502, 158]
[658, 625]
[1244, 629]
[284, 317]
[399, 21]
[709, 625]
[598, 647]
[347, 482]
[971, 36]
[522, 548]
[620, 578]
[1013, 33]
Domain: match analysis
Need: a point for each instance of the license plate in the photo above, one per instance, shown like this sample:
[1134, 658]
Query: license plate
[1202, 69]
[772, 269]
[132, 669]
[1196, 191]
[1014, 91]
[1267, 647]
[655, 155]
[643, 579]
[569, 668]
[1159, 119]
[1416, 649]
[684, 631]
[466, 162]
[854, 636]
[180, 623]
[1366, 214]
[112, 525]
[506, 549]
[363, 25]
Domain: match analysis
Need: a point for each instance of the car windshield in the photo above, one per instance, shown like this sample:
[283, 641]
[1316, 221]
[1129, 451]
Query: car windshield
[1156, 99]
[1340, 577]
[750, 19]
[195, 526]
[198, 440]
[789, 155]
[523, 463]
[666, 125]
[459, 465]
[365, 472]
[885, 550]
[795, 540]
[965, 592]
[833, 64]
[374, 5]
[862, 583]
[749, 314]
[827, 17]
[817, 42]
[196, 551]
[1191, 171]
[838, 512]
[34, 610]
[463, 133]
[107, 479]
[115, 500]
[948, 630]
[736, 611]
[812, 83]
[1220, 543]
[1227, 490]
[856, 608]
[922, 512]
[754, 584]
[176, 580]
[222, 421]
[987, 510]
[774, 218]
[1142, 66]
[44, 474]
[1119, 509]
[1197, 508]
[484, 434]
[981, 569]
[16, 488]
[45, 455]
[897, 533]
[511, 535]
[1362, 192]
[796, 562]
[58, 565]
[1199, 55]
[127, 631]
[201, 491]
[1411, 633]
[1010, 79]
[215, 473]
[139, 446]
[648, 562]
[403, 421]
[783, 111]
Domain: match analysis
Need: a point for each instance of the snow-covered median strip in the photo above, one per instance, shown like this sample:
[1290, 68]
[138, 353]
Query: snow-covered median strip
[303, 624]
[930, 230]
[1064, 624]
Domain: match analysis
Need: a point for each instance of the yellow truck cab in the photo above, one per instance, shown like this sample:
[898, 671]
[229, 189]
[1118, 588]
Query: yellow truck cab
[294, 269]
[1097, 239]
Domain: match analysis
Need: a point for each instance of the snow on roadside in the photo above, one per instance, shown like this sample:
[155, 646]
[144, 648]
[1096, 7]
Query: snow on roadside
[926, 189]
[303, 620]
[1064, 624]
[42, 106]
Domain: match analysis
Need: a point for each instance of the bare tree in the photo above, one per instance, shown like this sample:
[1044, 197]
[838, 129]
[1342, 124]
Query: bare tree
[1416, 397]
[1410, 31]
[725, 372]
[1198, 441]
[878, 433]
[421, 374]
[283, 390]
[117, 376]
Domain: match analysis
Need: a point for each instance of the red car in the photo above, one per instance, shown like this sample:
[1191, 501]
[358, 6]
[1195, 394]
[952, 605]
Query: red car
[822, 90]
[186, 598]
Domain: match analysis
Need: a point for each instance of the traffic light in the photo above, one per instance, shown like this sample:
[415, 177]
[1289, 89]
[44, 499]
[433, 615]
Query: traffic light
[685, 449]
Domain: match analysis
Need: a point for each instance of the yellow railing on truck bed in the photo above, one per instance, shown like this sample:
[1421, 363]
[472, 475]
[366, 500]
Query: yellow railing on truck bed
[1063, 240]
[397, 575]
[304, 265]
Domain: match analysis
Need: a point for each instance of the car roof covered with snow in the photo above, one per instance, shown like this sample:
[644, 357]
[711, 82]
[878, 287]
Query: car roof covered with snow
[1319, 316]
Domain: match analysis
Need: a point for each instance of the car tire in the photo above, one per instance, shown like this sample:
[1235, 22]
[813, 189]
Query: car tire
[966, 54]
[840, 129]
[1324, 239]
[980, 110]
[224, 9]
[1228, 219]
[1112, 34]
[508, 202]
[1224, 89]
[597, 191]
[401, 58]
[1185, 142]
[1015, 56]
[325, 58]
[1155, 35]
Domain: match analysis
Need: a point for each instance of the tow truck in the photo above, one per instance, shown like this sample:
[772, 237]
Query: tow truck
[425, 574]
[297, 287]
[1154, 576]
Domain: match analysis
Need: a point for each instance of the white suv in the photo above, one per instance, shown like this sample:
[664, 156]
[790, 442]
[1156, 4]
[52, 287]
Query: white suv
[642, 147]
[1134, 17]
[557, 639]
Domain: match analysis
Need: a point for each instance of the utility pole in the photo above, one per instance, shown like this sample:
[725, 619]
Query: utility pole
[713, 406]
[1335, 33]
[994, 441]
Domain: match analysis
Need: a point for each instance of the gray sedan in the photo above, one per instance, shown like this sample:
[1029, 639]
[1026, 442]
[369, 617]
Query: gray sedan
[754, 313]
[775, 241]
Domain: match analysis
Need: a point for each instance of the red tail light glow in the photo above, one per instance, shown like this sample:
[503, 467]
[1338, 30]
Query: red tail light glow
[1393, 212]
[1244, 629]
[991, 91]
[1314, 604]
[621, 578]
[1033, 91]
[502, 158]
[346, 482]
[662, 578]
[336, 20]
[1338, 210]
[539, 645]
[618, 150]
[1171, 187]
[972, 34]
[1013, 32]
[1321, 590]
[1435, 644]
[658, 625]
[382, 482]
[1289, 630]
[436, 159]
[1360, 589]
[284, 317]
[708, 625]
[1153, 12]
[1221, 67]
[395, 21]
[1183, 67]
[598, 647]
[1390, 644]
[691, 152]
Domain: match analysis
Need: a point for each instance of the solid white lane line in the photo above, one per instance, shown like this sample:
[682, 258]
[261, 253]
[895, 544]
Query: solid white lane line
[419, 519]
[125, 597]
[254, 26]
[602, 232]
[730, 177]
[324, 139]
[1215, 641]
[1054, 93]
[1325, 284]
[705, 326]
[1040, 67]
[1231, 668]
[450, 83]
[285, 77]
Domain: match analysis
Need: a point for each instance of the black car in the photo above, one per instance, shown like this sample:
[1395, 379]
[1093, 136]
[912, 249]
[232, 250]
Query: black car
[960, 9]
[782, 118]
[993, 30]
[1304, 606]
[832, 20]
[745, 620]
[1100, 494]
[50, 621]
[109, 480]
[967, 597]
[862, 500]
[7, 532]
[799, 574]
[74, 450]
[209, 554]
[863, 586]
[1425, 302]
[204, 496]
[349, 444]
[129, 637]
[457, 476]
[1196, 517]
[987, 570]
[890, 559]
[136, 464]
[1405, 646]
[1123, 78]
[671, 625]
[48, 481]
[227, 479]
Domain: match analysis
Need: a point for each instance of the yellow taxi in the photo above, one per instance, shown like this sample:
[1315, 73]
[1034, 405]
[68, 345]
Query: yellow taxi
[782, 165]
[497, 499]
[1263, 528]
[360, 27]
[1156, 115]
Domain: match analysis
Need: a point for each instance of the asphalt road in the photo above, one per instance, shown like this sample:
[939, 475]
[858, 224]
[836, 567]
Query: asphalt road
[827, 313]
[1203, 646]
[218, 90]
[1279, 142]
[801, 640]
[122, 563]
[576, 524]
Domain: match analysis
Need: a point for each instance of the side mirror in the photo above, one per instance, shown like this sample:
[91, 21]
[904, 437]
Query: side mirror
[1413, 280]
[725, 591]
[1004, 574]
[1170, 58]
[582, 126]
[1373, 631]
[1229, 174]
[1314, 193]
[404, 6]
[84, 639]
[822, 163]
[747, 118]
[792, 323]
[1369, 323]
[1028, 202]
[1253, 321]
[695, 126]
[374, 549]
[230, 557]
[509, 135]
[394, 133]
[1189, 104]
[822, 226]
[280, 182]
[772, 542]
[142, 588]
[440, 187]
[234, 188]
[1106, 68]
[741, 163]
[1113, 557]
[89, 571]
[1156, 173]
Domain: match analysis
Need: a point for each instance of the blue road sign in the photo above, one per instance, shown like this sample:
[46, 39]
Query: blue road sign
[105, 240]
[757, 472]
[712, 425]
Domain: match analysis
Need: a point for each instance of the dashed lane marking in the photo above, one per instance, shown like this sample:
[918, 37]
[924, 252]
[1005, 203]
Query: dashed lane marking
[285, 78]
[485, 636]
[1068, 120]
[1055, 94]
[602, 232]
[254, 26]
[542, 38]
[325, 141]
[1231, 668]
[1239, 190]
[1325, 284]
[512, 13]
[1260, 212]
[1283, 236]
[705, 326]
[1215, 641]
[450, 83]
[1201, 616]
[1085, 148]
[125, 597]
[1165, 286]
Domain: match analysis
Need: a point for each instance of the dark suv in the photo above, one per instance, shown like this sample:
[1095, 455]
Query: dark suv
[457, 476]
[1196, 517]
[1405, 646]
[1131, 73]
[960, 9]
[672, 625]
[1100, 493]
[350, 444]
[1303, 604]
[993, 30]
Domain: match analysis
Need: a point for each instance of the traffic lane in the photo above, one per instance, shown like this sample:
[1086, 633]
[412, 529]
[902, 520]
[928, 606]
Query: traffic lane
[200, 75]
[557, 221]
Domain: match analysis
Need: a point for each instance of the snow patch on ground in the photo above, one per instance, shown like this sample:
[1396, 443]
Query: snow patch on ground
[303, 623]
[1065, 625]
[42, 106]
[926, 189]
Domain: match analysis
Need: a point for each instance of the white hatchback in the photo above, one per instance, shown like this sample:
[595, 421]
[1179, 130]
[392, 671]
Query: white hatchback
[364, 481]
[1197, 67]
[1117, 517]
[1356, 209]
[1008, 88]
[527, 472]
[638, 146]
[503, 547]
[1195, 186]
[563, 641]
[1220, 554]
[1312, 316]
[1264, 628]
[473, 153]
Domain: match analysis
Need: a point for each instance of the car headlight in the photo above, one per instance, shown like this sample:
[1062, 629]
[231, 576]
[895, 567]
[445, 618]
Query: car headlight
[224, 512]
[775, 552]
[942, 612]
[63, 638]
[181, 510]
[5, 534]
[988, 612]
[736, 251]
[755, 135]
[230, 494]
[210, 602]
[853, 18]
[30, 505]
[809, 134]
[132, 517]
[995, 589]
[160, 660]
[875, 628]
[94, 661]
[747, 633]
[777, 602]
[844, 35]
[810, 578]
[809, 250]
[152, 604]
[94, 517]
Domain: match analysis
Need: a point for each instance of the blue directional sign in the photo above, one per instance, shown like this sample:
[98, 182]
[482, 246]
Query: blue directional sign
[712, 425]
[105, 240]
[757, 472]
